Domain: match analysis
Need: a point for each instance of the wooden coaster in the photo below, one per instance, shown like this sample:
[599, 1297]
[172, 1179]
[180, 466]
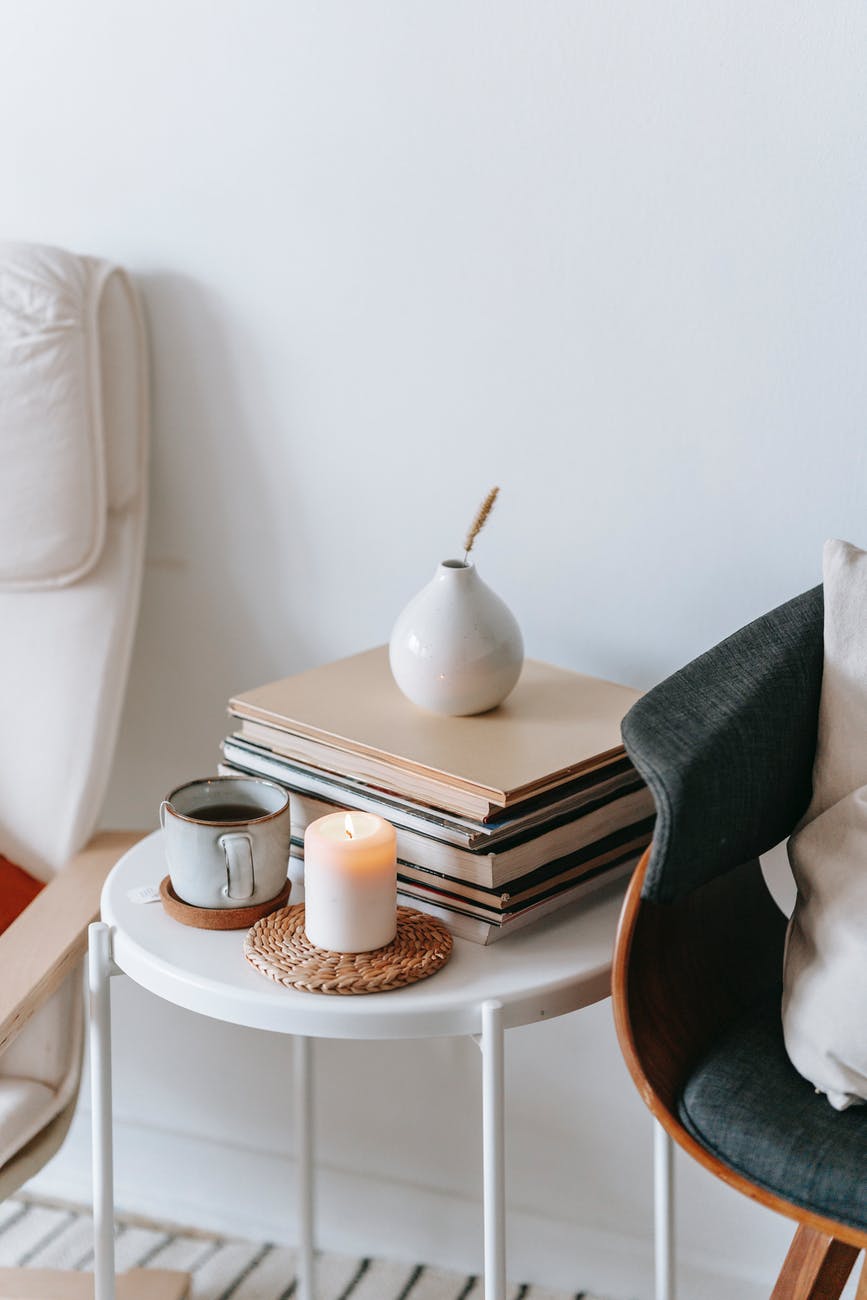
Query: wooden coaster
[278, 948]
[218, 918]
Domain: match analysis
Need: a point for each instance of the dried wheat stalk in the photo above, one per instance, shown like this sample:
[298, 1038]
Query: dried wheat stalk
[480, 520]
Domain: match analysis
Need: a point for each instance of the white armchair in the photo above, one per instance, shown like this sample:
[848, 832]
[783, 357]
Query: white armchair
[73, 508]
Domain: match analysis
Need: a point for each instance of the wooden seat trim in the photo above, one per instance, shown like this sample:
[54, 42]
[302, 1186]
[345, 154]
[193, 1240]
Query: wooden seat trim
[719, 976]
[48, 940]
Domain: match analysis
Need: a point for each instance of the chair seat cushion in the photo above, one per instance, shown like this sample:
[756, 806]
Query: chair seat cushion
[747, 1105]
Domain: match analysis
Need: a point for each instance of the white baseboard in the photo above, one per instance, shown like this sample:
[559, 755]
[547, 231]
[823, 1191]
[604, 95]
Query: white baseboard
[224, 1188]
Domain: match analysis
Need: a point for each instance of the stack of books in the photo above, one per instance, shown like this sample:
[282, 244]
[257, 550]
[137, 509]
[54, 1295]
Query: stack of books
[501, 818]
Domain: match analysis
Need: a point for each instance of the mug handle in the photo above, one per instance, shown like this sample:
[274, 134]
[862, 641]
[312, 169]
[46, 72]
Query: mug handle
[163, 807]
[240, 880]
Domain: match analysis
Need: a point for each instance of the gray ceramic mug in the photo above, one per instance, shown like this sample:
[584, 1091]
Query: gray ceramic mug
[227, 840]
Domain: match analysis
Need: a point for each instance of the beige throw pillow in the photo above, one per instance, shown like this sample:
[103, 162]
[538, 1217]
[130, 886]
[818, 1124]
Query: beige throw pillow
[825, 965]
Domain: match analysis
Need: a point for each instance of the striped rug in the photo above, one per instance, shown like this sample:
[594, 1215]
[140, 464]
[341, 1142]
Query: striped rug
[39, 1234]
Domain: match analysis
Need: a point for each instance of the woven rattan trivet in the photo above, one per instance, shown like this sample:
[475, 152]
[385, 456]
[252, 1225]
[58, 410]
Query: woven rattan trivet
[278, 947]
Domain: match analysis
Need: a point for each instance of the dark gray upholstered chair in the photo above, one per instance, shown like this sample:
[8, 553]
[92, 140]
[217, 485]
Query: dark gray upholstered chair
[726, 746]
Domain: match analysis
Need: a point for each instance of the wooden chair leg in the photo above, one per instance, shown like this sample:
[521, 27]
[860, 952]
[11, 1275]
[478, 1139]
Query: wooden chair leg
[816, 1267]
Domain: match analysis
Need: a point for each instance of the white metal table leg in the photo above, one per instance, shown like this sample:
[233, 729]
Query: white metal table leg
[99, 971]
[663, 1212]
[493, 1130]
[304, 1150]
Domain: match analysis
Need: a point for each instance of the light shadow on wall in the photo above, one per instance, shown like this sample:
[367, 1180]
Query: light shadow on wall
[216, 614]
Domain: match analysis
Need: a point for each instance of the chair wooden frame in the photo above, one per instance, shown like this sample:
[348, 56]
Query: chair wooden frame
[43, 946]
[682, 974]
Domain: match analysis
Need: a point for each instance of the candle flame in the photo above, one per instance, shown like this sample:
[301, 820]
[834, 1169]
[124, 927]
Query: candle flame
[348, 827]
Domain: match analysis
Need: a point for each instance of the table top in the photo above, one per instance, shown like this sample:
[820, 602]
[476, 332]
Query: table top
[556, 966]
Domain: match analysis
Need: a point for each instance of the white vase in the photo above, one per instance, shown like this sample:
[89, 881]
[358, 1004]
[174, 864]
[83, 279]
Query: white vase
[456, 648]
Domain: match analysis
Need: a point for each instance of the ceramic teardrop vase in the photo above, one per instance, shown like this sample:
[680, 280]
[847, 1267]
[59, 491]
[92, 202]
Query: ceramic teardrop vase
[456, 649]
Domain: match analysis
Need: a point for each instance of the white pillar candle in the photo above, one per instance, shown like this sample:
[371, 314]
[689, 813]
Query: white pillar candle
[350, 882]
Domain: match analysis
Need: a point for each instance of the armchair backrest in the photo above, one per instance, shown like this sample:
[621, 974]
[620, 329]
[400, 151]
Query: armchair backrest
[726, 746]
[73, 501]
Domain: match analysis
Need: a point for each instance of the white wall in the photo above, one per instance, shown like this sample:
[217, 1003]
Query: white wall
[607, 254]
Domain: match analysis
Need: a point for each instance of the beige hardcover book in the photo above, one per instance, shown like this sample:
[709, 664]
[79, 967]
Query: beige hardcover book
[555, 725]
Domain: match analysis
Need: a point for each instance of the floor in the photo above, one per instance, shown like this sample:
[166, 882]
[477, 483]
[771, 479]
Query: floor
[40, 1234]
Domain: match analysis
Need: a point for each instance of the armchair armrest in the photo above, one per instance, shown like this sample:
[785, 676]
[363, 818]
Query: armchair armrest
[45, 942]
[726, 746]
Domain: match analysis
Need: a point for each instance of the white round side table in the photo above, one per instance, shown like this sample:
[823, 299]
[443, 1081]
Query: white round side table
[560, 965]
